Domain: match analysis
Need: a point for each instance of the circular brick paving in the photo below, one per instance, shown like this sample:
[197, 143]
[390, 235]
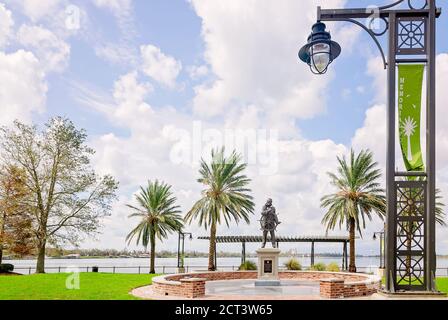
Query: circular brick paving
[212, 286]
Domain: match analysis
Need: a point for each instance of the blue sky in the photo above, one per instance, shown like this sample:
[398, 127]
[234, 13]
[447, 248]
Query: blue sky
[226, 65]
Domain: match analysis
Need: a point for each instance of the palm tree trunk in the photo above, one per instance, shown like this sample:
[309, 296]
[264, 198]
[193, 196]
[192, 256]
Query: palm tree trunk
[212, 248]
[153, 254]
[352, 265]
[40, 267]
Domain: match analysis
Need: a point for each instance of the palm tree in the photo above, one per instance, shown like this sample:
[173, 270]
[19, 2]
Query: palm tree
[159, 216]
[359, 196]
[440, 212]
[225, 197]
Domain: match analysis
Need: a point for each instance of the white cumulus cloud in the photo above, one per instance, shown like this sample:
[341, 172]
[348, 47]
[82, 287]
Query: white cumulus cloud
[52, 51]
[36, 10]
[162, 68]
[23, 90]
[6, 24]
[251, 48]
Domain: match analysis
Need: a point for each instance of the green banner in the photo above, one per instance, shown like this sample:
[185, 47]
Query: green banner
[410, 83]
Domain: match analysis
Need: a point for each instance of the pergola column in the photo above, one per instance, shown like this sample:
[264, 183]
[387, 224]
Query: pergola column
[243, 252]
[312, 254]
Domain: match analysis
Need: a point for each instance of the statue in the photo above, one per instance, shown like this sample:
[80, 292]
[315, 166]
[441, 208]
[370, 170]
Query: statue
[269, 222]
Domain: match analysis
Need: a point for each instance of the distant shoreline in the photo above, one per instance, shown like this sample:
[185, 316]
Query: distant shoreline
[187, 257]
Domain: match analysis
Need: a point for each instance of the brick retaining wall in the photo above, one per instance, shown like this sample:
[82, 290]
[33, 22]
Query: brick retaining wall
[333, 285]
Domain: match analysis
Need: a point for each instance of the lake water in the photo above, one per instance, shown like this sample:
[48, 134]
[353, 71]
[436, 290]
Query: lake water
[168, 265]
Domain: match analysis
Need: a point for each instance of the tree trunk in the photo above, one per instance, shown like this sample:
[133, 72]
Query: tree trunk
[352, 265]
[212, 248]
[152, 269]
[2, 234]
[40, 267]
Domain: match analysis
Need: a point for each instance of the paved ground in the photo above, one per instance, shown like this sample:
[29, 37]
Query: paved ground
[147, 293]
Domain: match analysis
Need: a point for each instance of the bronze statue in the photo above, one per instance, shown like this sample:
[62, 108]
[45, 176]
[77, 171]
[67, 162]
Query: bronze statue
[269, 222]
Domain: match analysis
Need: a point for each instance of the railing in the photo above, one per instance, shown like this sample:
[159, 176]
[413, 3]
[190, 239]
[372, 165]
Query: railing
[441, 272]
[120, 269]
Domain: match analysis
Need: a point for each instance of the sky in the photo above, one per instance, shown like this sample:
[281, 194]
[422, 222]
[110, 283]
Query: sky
[158, 83]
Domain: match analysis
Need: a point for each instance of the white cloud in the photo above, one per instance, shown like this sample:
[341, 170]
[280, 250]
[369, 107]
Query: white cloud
[372, 135]
[36, 10]
[118, 7]
[162, 68]
[198, 72]
[253, 54]
[23, 90]
[6, 24]
[116, 54]
[53, 52]
[123, 11]
[375, 69]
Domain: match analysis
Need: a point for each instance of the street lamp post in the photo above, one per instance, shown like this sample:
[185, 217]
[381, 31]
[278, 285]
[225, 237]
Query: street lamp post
[181, 248]
[411, 40]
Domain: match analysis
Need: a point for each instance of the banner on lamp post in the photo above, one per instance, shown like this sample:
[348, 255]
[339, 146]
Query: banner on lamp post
[410, 85]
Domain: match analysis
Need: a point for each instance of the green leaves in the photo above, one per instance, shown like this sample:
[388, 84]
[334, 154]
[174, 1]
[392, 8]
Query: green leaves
[157, 211]
[358, 195]
[68, 197]
[225, 196]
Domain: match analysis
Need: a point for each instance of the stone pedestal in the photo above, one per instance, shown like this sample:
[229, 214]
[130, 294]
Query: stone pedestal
[268, 267]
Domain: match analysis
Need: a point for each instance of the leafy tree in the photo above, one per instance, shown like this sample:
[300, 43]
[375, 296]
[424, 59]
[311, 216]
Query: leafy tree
[68, 197]
[225, 197]
[15, 221]
[358, 196]
[159, 216]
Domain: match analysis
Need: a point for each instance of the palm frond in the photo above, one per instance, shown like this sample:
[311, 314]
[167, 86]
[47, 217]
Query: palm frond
[159, 216]
[358, 193]
[225, 197]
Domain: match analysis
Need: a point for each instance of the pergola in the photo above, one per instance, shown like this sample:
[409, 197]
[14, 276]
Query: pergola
[309, 239]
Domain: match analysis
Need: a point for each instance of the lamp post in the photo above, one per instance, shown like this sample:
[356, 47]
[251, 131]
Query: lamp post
[181, 249]
[411, 34]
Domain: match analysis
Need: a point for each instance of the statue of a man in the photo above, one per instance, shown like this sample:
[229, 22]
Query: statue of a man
[269, 222]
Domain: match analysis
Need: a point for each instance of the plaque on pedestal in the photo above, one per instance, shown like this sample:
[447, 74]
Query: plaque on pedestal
[268, 267]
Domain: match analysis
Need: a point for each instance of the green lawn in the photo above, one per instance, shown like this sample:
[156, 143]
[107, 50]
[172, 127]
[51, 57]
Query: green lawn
[92, 286]
[442, 284]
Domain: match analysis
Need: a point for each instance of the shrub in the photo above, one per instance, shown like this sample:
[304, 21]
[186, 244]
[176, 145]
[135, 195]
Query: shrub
[319, 267]
[293, 264]
[5, 268]
[248, 266]
[333, 267]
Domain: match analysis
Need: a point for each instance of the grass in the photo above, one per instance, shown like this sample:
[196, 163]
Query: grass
[442, 284]
[92, 286]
